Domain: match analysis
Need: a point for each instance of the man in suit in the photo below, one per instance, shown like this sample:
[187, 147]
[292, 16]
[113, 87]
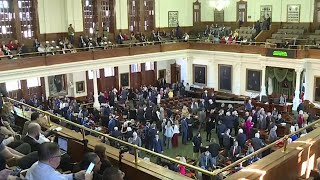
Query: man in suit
[71, 34]
[234, 151]
[228, 121]
[221, 128]
[256, 142]
[120, 38]
[33, 135]
[157, 147]
[3, 94]
[184, 129]
[241, 138]
[35, 117]
[206, 161]
[214, 149]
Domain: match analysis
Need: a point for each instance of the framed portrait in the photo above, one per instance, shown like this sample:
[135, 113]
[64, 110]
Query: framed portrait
[225, 77]
[57, 85]
[173, 18]
[162, 74]
[317, 89]
[80, 87]
[293, 13]
[124, 79]
[253, 80]
[200, 74]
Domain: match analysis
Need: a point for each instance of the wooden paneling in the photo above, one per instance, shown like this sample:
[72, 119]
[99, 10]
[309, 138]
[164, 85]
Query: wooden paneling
[314, 53]
[69, 58]
[135, 80]
[150, 78]
[174, 47]
[144, 49]
[111, 53]
[201, 46]
[22, 63]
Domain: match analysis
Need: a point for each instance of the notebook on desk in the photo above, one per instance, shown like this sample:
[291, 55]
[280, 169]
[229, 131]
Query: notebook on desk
[63, 144]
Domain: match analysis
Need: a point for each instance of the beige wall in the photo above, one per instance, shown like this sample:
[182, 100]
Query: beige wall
[55, 15]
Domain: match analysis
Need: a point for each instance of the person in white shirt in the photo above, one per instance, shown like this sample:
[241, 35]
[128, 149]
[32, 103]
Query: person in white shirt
[49, 159]
[175, 134]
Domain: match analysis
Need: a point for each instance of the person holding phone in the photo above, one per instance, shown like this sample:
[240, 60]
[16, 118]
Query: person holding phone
[91, 163]
[49, 159]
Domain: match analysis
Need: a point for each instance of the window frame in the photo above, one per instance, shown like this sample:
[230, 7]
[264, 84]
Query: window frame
[16, 83]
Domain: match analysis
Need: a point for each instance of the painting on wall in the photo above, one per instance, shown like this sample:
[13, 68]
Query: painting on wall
[265, 10]
[253, 80]
[124, 79]
[200, 74]
[317, 89]
[57, 85]
[80, 87]
[162, 74]
[225, 77]
[173, 18]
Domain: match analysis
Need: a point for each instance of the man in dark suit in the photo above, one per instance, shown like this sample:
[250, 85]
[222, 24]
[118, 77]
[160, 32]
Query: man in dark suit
[184, 129]
[214, 149]
[206, 162]
[157, 147]
[241, 138]
[256, 142]
[234, 151]
[33, 135]
[228, 121]
[3, 93]
[120, 38]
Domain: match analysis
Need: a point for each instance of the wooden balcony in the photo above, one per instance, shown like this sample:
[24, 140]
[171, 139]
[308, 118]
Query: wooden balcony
[94, 54]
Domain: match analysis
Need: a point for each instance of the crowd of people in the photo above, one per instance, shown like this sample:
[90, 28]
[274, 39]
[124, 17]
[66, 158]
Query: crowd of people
[140, 118]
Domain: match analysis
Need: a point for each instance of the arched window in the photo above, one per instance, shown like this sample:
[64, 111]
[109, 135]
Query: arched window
[135, 68]
[88, 16]
[90, 74]
[107, 15]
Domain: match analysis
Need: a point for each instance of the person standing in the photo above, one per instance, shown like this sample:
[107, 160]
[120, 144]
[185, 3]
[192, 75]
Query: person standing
[168, 134]
[157, 147]
[184, 129]
[71, 33]
[196, 143]
[209, 126]
[175, 134]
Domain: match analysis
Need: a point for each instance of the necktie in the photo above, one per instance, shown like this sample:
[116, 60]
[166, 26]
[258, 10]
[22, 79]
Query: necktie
[206, 161]
[234, 149]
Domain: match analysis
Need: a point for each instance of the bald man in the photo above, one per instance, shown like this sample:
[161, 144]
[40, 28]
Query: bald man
[33, 135]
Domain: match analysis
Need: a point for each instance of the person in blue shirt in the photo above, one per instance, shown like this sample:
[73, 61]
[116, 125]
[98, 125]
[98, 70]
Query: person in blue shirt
[249, 106]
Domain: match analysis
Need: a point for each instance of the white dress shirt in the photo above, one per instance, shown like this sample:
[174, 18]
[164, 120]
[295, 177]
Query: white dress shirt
[42, 171]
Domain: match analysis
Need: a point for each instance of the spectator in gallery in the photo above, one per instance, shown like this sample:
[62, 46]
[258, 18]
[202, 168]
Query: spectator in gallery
[71, 33]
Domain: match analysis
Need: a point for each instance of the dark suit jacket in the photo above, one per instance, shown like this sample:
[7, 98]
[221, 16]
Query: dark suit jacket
[3, 93]
[214, 149]
[241, 138]
[157, 146]
[256, 143]
[237, 151]
[34, 145]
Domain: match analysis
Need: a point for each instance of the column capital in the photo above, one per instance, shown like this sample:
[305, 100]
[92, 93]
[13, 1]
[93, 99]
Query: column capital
[298, 70]
[263, 66]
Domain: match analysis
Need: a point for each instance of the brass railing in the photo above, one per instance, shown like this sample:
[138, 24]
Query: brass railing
[134, 147]
[269, 146]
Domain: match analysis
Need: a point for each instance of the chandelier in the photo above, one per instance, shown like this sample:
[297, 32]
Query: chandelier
[219, 4]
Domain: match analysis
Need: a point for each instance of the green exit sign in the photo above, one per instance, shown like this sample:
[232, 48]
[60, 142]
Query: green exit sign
[282, 53]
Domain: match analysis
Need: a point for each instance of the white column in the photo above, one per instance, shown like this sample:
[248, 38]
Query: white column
[237, 79]
[189, 72]
[95, 90]
[263, 81]
[211, 74]
[296, 100]
[46, 85]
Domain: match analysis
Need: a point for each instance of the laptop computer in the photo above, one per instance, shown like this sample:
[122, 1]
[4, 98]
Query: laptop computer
[63, 144]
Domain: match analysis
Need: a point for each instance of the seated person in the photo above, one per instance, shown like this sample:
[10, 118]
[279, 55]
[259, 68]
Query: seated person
[206, 162]
[34, 131]
[120, 38]
[100, 150]
[234, 151]
[279, 119]
[214, 149]
[252, 159]
[37, 118]
[113, 173]
[89, 158]
[49, 159]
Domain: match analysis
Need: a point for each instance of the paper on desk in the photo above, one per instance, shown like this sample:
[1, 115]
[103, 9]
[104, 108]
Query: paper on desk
[58, 129]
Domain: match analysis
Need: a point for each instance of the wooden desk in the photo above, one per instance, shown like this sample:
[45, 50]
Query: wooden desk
[143, 170]
[269, 107]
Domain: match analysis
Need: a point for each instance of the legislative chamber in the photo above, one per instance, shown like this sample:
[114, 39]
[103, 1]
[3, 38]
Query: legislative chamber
[159, 89]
